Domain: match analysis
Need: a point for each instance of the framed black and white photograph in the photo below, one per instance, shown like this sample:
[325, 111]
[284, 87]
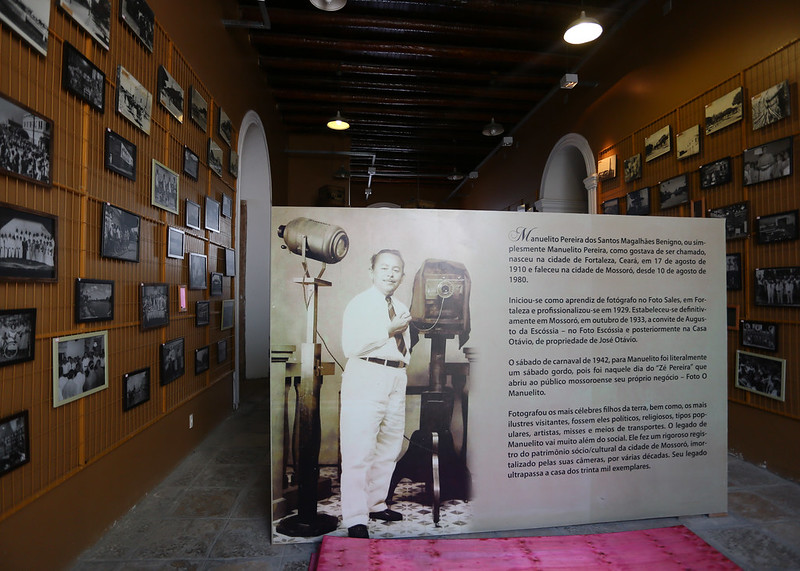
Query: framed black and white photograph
[761, 374]
[82, 78]
[638, 202]
[30, 19]
[198, 109]
[779, 287]
[197, 271]
[170, 94]
[175, 243]
[202, 313]
[771, 105]
[79, 366]
[222, 350]
[737, 219]
[633, 168]
[674, 191]
[233, 163]
[26, 144]
[119, 235]
[17, 335]
[759, 334]
[164, 187]
[610, 206]
[94, 17]
[173, 360]
[733, 317]
[16, 440]
[154, 304]
[230, 262]
[724, 111]
[224, 126]
[226, 318]
[607, 168]
[134, 102]
[120, 155]
[201, 359]
[94, 300]
[212, 214]
[227, 206]
[135, 388]
[140, 19]
[699, 208]
[28, 244]
[768, 162]
[733, 271]
[658, 144]
[215, 157]
[193, 215]
[687, 143]
[715, 173]
[779, 227]
[191, 163]
[216, 285]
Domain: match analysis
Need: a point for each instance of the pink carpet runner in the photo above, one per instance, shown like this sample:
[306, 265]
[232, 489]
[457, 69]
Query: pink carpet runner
[652, 549]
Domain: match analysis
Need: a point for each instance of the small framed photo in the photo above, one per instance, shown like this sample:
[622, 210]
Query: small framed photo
[193, 215]
[226, 319]
[687, 143]
[737, 219]
[212, 214]
[154, 305]
[611, 206]
[215, 157]
[227, 206]
[733, 317]
[607, 168]
[164, 186]
[222, 350]
[79, 366]
[191, 163]
[175, 243]
[733, 271]
[198, 109]
[201, 359]
[674, 191]
[633, 168]
[233, 164]
[216, 285]
[82, 78]
[30, 243]
[760, 335]
[120, 155]
[724, 111]
[771, 105]
[139, 18]
[119, 235]
[780, 227]
[230, 262]
[699, 208]
[94, 300]
[658, 144]
[638, 202]
[170, 94]
[778, 287]
[197, 271]
[96, 21]
[716, 173]
[31, 23]
[135, 388]
[768, 162]
[134, 102]
[183, 298]
[17, 335]
[224, 126]
[202, 313]
[761, 374]
[15, 435]
[173, 360]
[33, 152]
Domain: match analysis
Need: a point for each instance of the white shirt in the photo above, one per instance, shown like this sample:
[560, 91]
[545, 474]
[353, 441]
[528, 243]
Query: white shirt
[365, 327]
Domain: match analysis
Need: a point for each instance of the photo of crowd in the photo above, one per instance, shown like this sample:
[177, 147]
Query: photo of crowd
[81, 366]
[760, 374]
[768, 162]
[778, 286]
[24, 143]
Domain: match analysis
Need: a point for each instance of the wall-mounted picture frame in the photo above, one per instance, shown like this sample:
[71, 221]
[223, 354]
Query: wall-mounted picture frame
[224, 126]
[759, 334]
[134, 102]
[233, 163]
[610, 206]
[607, 168]
[197, 271]
[699, 208]
[17, 335]
[170, 94]
[172, 360]
[94, 300]
[79, 366]
[771, 105]
[183, 298]
[202, 313]
[777, 287]
[638, 202]
[715, 173]
[222, 351]
[737, 219]
[215, 289]
[193, 215]
[202, 359]
[32, 153]
[733, 271]
[15, 436]
[135, 388]
[191, 163]
[31, 244]
[674, 191]
[198, 109]
[95, 20]
[778, 227]
[119, 234]
[164, 187]
[120, 155]
[767, 162]
[140, 20]
[82, 78]
[761, 374]
[175, 243]
[658, 144]
[227, 206]
[724, 111]
[226, 316]
[733, 317]
[687, 143]
[230, 262]
[633, 168]
[212, 214]
[215, 157]
[30, 19]
[154, 305]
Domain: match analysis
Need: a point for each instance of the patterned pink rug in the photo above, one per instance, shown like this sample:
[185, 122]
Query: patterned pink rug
[652, 549]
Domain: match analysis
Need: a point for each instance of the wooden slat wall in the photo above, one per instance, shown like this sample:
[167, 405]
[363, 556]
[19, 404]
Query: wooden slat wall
[64, 440]
[764, 198]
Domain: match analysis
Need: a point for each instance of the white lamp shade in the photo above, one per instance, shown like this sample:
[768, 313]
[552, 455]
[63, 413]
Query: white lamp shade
[583, 30]
[338, 123]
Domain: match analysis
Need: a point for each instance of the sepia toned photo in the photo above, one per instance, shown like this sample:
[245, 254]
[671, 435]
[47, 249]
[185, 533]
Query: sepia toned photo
[94, 300]
[724, 111]
[768, 162]
[139, 18]
[164, 187]
[17, 335]
[633, 168]
[79, 366]
[198, 109]
[170, 94]
[638, 202]
[737, 219]
[224, 126]
[761, 374]
[28, 245]
[94, 17]
[687, 143]
[25, 143]
[82, 78]
[134, 102]
[119, 235]
[674, 191]
[607, 168]
[120, 155]
[771, 105]
[136, 388]
[658, 144]
[30, 19]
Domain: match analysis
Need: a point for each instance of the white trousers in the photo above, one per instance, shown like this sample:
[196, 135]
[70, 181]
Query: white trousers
[371, 427]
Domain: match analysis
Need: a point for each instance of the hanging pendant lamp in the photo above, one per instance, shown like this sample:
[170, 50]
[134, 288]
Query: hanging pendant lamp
[492, 129]
[329, 5]
[338, 123]
[583, 30]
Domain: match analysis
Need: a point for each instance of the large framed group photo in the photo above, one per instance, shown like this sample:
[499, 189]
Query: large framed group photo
[25, 153]
[28, 244]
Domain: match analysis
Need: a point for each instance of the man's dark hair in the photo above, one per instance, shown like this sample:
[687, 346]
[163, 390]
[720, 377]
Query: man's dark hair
[386, 251]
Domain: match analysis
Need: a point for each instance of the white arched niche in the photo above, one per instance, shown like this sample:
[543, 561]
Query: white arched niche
[569, 181]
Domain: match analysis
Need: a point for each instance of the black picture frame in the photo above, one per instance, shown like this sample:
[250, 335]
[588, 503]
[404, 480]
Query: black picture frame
[733, 271]
[140, 20]
[202, 359]
[633, 168]
[759, 334]
[165, 187]
[135, 388]
[170, 94]
[97, 22]
[172, 360]
[32, 245]
[175, 243]
[767, 162]
[15, 436]
[193, 215]
[191, 163]
[778, 227]
[94, 300]
[215, 157]
[17, 336]
[724, 111]
[776, 287]
[761, 374]
[715, 173]
[227, 314]
[222, 351]
[673, 191]
[737, 219]
[212, 214]
[82, 78]
[733, 317]
[230, 262]
[658, 144]
[610, 206]
[80, 366]
[36, 150]
[154, 305]
[134, 102]
[32, 24]
[698, 208]
[120, 155]
[202, 313]
[771, 105]
[224, 126]
[198, 109]
[119, 234]
[227, 206]
[638, 202]
[197, 271]
[215, 287]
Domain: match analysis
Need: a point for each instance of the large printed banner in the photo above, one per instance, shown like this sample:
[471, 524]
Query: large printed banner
[582, 360]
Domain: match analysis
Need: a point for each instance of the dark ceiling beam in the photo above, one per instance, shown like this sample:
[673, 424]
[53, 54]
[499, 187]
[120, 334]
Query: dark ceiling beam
[336, 99]
[297, 110]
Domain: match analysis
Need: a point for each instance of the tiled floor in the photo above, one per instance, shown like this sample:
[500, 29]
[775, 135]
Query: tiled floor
[211, 512]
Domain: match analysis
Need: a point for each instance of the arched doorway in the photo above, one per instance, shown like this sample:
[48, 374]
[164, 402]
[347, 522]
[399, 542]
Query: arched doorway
[569, 182]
